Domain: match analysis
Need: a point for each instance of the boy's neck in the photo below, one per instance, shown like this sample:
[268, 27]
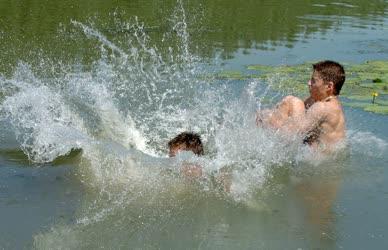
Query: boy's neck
[328, 98]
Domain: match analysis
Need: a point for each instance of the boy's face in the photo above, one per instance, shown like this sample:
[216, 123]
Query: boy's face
[318, 88]
[175, 149]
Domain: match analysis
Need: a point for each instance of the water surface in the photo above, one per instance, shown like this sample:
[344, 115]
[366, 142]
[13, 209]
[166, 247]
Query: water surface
[91, 92]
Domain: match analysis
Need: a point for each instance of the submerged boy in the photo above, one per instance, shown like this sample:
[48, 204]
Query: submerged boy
[320, 118]
[187, 141]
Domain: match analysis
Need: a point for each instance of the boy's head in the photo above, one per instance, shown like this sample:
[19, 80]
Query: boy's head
[331, 73]
[185, 141]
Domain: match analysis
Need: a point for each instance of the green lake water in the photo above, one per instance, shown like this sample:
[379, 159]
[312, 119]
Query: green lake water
[92, 91]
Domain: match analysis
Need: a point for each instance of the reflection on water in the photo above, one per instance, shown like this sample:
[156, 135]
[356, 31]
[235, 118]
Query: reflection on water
[30, 28]
[92, 94]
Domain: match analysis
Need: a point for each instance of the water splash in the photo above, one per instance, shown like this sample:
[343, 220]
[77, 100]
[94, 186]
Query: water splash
[44, 126]
[367, 143]
[122, 110]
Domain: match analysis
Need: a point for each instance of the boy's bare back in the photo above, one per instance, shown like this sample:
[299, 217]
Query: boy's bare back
[323, 123]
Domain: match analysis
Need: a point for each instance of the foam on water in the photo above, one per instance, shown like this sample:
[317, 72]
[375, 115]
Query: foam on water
[367, 143]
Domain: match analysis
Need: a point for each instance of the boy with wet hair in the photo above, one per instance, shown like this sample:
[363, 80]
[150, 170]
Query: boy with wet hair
[320, 118]
[331, 73]
[186, 141]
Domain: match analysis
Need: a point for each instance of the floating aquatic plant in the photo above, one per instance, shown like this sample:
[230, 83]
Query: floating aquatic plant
[377, 80]
[374, 95]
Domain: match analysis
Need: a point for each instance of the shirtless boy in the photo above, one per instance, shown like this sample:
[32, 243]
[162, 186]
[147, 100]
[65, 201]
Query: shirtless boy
[320, 118]
[187, 141]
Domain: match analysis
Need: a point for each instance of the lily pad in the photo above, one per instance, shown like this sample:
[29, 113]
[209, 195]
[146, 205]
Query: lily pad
[359, 97]
[380, 109]
[377, 80]
[375, 108]
[235, 75]
[260, 67]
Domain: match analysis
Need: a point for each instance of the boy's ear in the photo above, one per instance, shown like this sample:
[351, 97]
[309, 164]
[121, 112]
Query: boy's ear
[330, 86]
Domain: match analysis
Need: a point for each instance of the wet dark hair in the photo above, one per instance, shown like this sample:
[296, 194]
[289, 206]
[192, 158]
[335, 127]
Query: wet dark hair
[331, 71]
[191, 141]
